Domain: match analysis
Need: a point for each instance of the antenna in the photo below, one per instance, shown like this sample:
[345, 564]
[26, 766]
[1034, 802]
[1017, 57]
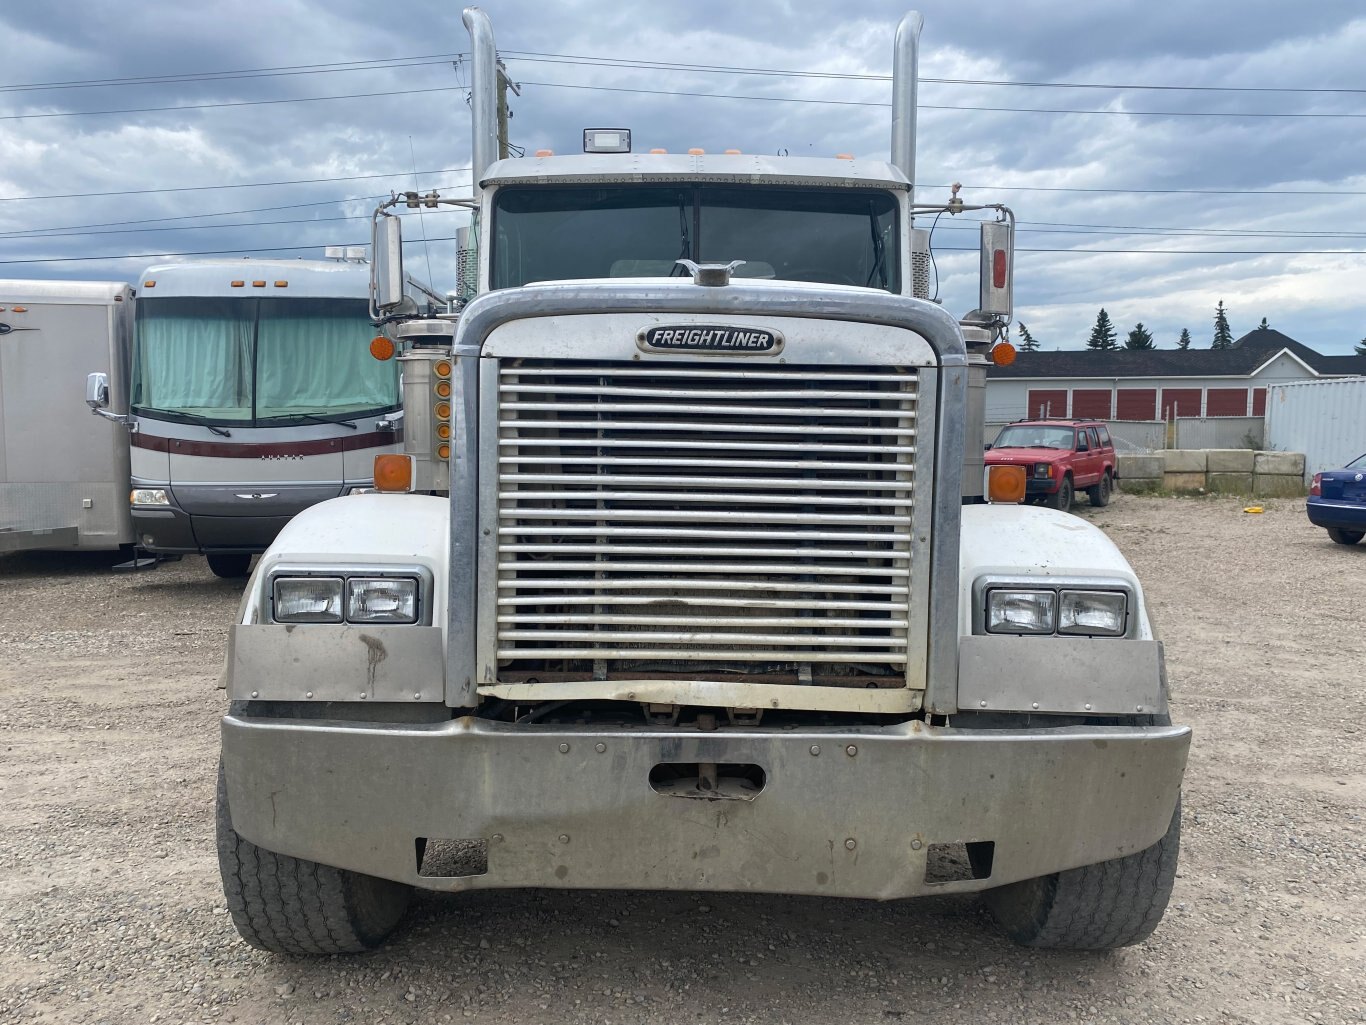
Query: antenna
[421, 217]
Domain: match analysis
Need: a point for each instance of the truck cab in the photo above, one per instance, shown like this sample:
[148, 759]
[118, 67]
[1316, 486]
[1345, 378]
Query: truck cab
[690, 577]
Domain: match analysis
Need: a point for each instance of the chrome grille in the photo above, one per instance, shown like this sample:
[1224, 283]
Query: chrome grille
[714, 518]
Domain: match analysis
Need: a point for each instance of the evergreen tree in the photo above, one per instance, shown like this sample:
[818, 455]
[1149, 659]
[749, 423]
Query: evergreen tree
[1361, 347]
[1223, 337]
[1184, 342]
[1139, 338]
[1028, 343]
[1103, 334]
[1263, 326]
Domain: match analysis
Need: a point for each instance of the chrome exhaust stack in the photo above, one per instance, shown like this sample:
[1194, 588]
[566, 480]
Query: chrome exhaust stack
[905, 84]
[483, 94]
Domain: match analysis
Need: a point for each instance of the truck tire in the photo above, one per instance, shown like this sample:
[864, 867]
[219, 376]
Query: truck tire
[291, 906]
[1345, 537]
[1100, 493]
[229, 565]
[1096, 907]
[1062, 498]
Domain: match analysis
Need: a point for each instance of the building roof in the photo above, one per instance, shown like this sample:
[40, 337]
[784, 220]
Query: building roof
[1248, 354]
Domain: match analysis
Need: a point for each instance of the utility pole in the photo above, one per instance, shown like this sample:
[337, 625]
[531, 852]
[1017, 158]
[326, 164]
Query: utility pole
[504, 84]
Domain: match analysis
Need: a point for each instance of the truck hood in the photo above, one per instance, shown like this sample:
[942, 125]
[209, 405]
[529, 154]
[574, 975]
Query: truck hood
[1025, 455]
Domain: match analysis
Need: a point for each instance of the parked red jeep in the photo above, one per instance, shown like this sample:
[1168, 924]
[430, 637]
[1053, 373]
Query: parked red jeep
[1060, 457]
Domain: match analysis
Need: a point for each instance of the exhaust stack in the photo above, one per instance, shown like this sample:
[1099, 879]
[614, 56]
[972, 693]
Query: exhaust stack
[905, 84]
[484, 94]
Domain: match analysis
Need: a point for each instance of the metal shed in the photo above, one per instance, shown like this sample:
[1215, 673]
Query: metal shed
[1326, 420]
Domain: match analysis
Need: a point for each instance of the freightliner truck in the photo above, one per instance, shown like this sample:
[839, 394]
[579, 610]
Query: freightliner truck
[690, 578]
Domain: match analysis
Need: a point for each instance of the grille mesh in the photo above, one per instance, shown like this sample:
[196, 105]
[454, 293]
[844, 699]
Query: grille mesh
[680, 517]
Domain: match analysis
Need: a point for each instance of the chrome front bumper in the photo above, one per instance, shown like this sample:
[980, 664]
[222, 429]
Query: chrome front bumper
[850, 812]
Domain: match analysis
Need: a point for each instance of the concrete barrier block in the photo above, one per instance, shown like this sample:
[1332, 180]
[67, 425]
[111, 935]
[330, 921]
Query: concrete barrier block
[1230, 483]
[1140, 485]
[1143, 467]
[1185, 481]
[1275, 485]
[1230, 460]
[1282, 463]
[1183, 460]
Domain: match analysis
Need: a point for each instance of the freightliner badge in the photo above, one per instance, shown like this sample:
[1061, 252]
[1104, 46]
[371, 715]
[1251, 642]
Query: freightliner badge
[710, 338]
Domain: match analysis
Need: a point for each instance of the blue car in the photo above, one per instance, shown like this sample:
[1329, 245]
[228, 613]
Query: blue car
[1337, 501]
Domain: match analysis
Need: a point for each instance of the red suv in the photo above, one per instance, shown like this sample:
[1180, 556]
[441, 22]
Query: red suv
[1060, 457]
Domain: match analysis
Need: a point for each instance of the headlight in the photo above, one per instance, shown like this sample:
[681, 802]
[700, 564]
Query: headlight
[361, 489]
[308, 600]
[1043, 469]
[1093, 613]
[381, 600]
[1021, 612]
[149, 496]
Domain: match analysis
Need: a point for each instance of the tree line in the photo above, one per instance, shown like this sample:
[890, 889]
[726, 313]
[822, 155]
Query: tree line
[1105, 338]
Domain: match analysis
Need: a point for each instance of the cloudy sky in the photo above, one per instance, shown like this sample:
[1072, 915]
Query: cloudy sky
[1159, 155]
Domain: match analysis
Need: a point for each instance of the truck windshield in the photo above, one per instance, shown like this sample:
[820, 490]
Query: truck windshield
[835, 236]
[257, 362]
[1035, 436]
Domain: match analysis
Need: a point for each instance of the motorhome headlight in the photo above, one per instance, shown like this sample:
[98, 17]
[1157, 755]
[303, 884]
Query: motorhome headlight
[1021, 612]
[149, 496]
[1093, 613]
[381, 600]
[308, 599]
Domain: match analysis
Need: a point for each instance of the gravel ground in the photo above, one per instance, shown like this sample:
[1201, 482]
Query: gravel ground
[110, 907]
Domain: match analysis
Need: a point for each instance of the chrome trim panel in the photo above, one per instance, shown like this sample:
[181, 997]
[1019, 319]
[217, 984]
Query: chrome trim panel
[362, 662]
[842, 812]
[950, 437]
[1076, 675]
[463, 603]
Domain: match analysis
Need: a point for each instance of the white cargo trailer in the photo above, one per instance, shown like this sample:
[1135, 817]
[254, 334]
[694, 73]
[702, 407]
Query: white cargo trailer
[63, 480]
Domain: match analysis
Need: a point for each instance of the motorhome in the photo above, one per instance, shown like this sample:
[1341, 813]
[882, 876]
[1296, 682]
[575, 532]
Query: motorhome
[63, 485]
[251, 394]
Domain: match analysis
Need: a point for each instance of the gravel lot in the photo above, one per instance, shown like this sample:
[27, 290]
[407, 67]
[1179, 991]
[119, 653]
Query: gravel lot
[110, 907]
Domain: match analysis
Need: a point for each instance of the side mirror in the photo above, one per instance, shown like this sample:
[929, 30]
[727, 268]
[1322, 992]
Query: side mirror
[997, 269]
[386, 285]
[986, 447]
[97, 391]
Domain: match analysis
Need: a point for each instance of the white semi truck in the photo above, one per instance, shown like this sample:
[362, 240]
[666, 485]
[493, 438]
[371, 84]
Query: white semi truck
[714, 594]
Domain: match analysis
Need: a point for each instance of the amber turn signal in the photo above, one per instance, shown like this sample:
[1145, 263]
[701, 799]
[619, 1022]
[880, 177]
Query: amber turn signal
[1003, 354]
[1006, 484]
[443, 389]
[381, 348]
[393, 473]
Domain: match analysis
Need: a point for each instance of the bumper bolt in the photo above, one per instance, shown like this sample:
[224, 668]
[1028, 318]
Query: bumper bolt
[599, 747]
[497, 838]
[564, 749]
[254, 693]
[815, 749]
[851, 750]
[417, 696]
[916, 845]
[850, 844]
[309, 694]
[564, 838]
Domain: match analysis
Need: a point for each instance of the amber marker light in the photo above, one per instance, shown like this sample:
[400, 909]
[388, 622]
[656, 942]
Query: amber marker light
[545, 152]
[696, 152]
[443, 389]
[258, 284]
[443, 431]
[282, 284]
[18, 309]
[149, 284]
[393, 473]
[381, 348]
[443, 451]
[237, 284]
[1003, 354]
[443, 410]
[442, 368]
[1006, 484]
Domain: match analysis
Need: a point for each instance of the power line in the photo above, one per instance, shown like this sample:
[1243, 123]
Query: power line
[242, 185]
[531, 56]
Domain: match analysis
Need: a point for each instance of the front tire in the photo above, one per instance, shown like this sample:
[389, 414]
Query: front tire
[1097, 907]
[1100, 493]
[229, 565]
[291, 906]
[1345, 537]
[1062, 498]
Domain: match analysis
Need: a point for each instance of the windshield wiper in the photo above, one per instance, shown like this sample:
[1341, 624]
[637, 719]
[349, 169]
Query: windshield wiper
[678, 270]
[313, 418]
[879, 267]
[194, 418]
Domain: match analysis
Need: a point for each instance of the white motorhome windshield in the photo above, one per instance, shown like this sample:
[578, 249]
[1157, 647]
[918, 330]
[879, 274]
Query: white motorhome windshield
[835, 236]
[257, 361]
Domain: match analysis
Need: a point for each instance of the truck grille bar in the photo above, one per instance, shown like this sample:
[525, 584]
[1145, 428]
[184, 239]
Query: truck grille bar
[717, 519]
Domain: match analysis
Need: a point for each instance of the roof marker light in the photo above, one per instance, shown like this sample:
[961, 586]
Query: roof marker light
[696, 152]
[18, 309]
[844, 156]
[658, 150]
[545, 152]
[258, 284]
[150, 284]
[236, 284]
[732, 152]
[282, 284]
